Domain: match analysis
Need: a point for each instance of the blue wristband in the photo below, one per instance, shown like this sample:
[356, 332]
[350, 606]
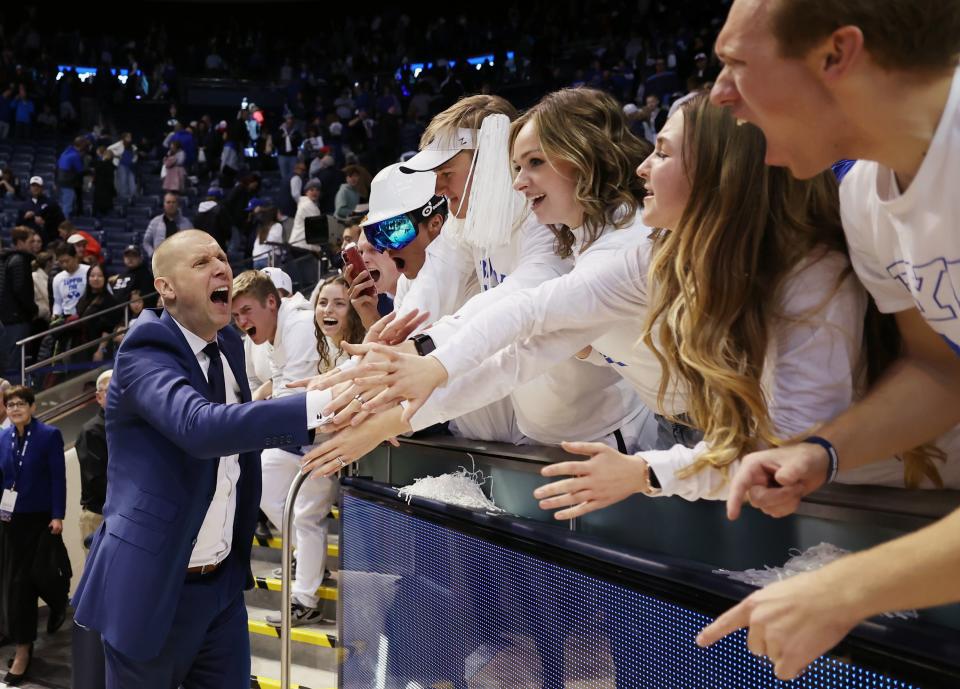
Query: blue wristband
[834, 465]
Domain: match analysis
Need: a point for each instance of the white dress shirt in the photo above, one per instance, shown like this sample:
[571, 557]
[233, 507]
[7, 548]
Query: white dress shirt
[215, 538]
[216, 533]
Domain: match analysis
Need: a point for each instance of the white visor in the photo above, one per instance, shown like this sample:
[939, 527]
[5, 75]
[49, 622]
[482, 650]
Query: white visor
[440, 150]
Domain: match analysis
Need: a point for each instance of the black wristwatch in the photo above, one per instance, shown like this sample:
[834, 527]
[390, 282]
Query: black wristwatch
[423, 343]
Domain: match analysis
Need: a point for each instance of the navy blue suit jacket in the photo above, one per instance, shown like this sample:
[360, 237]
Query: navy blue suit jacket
[164, 441]
[41, 482]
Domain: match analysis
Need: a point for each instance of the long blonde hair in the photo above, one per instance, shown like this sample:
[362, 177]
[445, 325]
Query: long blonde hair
[586, 128]
[716, 278]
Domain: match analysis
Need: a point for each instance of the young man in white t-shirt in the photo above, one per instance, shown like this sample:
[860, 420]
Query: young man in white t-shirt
[873, 80]
[288, 326]
[70, 283]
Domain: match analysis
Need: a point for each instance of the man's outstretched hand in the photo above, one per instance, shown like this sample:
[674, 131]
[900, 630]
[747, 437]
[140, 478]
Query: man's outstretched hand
[775, 480]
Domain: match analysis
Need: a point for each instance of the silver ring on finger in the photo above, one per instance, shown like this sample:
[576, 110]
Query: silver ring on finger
[360, 399]
[342, 463]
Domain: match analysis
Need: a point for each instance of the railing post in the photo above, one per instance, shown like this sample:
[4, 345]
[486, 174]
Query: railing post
[23, 365]
[286, 534]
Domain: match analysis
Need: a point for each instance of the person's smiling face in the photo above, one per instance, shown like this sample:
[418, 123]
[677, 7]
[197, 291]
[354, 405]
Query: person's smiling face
[664, 173]
[549, 185]
[333, 305]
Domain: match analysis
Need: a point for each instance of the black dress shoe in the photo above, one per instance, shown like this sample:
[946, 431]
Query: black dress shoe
[56, 619]
[262, 532]
[11, 679]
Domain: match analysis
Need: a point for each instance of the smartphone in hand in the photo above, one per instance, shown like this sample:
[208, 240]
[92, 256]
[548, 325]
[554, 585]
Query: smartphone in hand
[351, 256]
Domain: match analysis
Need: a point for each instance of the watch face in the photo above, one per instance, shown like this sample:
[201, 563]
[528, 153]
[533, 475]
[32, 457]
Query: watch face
[424, 344]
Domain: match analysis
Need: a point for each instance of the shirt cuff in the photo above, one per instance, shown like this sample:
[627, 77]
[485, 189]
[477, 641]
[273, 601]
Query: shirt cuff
[316, 401]
[664, 464]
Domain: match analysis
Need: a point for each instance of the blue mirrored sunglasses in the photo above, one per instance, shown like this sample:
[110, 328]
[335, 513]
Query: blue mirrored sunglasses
[391, 233]
[398, 231]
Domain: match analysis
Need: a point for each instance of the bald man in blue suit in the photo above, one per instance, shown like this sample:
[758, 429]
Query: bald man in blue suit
[166, 573]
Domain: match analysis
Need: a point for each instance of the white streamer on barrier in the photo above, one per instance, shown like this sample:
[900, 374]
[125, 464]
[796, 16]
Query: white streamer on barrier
[461, 488]
[802, 561]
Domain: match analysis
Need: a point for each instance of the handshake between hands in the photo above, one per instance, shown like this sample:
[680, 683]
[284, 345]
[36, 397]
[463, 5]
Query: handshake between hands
[366, 394]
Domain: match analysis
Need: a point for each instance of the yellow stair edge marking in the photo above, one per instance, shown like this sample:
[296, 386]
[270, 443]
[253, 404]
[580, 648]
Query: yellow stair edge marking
[269, 683]
[299, 634]
[333, 549]
[271, 584]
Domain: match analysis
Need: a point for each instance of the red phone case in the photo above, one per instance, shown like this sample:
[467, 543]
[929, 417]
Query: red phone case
[351, 255]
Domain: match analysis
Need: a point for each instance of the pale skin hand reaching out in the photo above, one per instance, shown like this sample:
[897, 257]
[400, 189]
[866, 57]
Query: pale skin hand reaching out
[388, 330]
[402, 376]
[56, 526]
[775, 480]
[793, 622]
[352, 443]
[606, 478]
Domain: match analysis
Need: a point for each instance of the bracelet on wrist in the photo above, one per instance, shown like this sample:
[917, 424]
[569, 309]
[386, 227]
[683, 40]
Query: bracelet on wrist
[833, 466]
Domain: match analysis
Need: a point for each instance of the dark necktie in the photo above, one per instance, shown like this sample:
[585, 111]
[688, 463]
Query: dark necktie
[215, 374]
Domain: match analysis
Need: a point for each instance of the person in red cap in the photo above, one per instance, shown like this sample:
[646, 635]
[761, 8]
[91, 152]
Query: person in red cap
[88, 248]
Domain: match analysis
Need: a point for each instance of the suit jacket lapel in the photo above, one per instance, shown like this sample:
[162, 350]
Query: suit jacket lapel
[237, 365]
[200, 382]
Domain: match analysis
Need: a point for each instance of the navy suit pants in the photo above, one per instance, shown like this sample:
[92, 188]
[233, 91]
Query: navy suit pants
[208, 646]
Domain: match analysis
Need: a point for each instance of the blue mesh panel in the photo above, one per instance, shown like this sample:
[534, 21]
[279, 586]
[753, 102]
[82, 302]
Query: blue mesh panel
[425, 606]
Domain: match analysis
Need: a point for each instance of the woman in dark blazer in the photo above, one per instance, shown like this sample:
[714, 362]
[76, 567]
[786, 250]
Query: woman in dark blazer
[31, 465]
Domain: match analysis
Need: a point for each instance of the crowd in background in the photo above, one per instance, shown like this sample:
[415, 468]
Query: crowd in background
[354, 98]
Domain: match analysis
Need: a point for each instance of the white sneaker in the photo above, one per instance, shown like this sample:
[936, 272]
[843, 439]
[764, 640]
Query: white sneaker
[300, 615]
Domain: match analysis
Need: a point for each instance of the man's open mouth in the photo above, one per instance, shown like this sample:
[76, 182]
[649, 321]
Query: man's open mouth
[252, 331]
[375, 274]
[221, 295]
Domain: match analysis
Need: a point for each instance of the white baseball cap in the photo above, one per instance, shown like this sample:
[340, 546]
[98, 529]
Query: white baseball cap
[76, 238]
[394, 192]
[440, 150]
[630, 109]
[279, 278]
[36, 179]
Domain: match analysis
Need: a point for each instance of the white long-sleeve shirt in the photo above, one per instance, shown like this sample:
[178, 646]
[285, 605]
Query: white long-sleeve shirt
[257, 358]
[454, 275]
[294, 353]
[570, 397]
[523, 345]
[808, 377]
[306, 208]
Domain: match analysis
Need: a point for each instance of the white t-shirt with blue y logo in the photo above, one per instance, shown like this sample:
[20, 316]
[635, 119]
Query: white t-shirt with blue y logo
[905, 246]
[68, 288]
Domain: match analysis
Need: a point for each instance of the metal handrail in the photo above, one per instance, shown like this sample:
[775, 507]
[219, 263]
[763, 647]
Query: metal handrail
[73, 350]
[70, 324]
[286, 536]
